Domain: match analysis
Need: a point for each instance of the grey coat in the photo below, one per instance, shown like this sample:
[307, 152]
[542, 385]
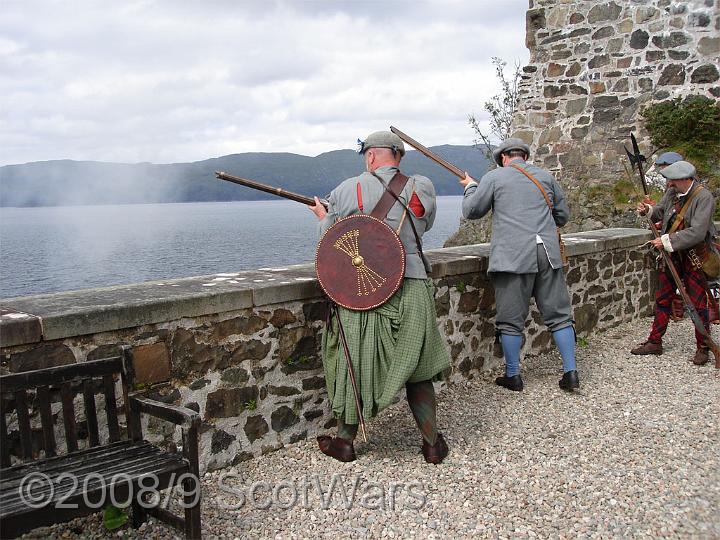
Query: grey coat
[699, 224]
[519, 214]
[343, 202]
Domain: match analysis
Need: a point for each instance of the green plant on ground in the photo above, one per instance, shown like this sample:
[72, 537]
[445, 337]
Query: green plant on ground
[114, 517]
[460, 286]
[582, 342]
[250, 405]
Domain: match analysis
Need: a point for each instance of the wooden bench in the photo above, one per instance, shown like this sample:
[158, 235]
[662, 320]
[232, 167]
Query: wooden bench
[47, 488]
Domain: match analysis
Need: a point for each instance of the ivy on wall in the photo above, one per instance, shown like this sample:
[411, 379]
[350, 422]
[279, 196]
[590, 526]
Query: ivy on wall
[690, 126]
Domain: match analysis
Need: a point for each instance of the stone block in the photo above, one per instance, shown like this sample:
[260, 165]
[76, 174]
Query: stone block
[639, 39]
[192, 357]
[671, 40]
[709, 46]
[555, 70]
[597, 87]
[678, 55]
[552, 91]
[17, 328]
[599, 61]
[245, 325]
[255, 428]
[573, 70]
[282, 317]
[623, 63]
[604, 32]
[604, 12]
[152, 363]
[41, 357]
[615, 45]
[283, 418]
[625, 26]
[704, 74]
[646, 13]
[672, 75]
[575, 106]
[577, 18]
[550, 135]
[229, 402]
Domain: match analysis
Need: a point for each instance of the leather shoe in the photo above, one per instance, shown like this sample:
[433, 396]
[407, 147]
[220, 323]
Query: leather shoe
[569, 381]
[337, 448]
[437, 452]
[648, 348]
[513, 383]
[701, 357]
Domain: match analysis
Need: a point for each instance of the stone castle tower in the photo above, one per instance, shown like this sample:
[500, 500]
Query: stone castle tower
[595, 65]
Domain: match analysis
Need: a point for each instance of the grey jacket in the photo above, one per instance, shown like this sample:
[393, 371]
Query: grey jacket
[699, 224]
[343, 202]
[520, 213]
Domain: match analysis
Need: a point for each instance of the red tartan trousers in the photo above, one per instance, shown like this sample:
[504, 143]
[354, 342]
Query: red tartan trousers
[694, 281]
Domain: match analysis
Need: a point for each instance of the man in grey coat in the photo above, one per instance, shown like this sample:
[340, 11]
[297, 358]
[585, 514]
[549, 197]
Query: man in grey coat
[525, 258]
[686, 212]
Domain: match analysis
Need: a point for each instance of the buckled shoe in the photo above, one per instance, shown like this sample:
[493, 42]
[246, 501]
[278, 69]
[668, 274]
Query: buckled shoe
[337, 448]
[648, 348]
[437, 452]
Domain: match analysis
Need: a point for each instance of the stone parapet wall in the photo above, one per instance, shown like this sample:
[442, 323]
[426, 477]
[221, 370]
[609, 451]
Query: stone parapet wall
[593, 67]
[243, 349]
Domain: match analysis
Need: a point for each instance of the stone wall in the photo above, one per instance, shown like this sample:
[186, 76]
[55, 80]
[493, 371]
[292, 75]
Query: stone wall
[593, 67]
[242, 349]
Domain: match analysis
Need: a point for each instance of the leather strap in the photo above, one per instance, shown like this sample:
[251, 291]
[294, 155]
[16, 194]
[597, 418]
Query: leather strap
[681, 214]
[537, 184]
[386, 202]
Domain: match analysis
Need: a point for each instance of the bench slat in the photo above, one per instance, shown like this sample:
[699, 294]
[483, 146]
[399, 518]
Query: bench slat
[5, 446]
[94, 481]
[61, 374]
[43, 400]
[91, 413]
[111, 408]
[81, 464]
[68, 408]
[24, 424]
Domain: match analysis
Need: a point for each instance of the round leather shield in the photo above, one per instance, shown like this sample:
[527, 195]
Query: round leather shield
[360, 262]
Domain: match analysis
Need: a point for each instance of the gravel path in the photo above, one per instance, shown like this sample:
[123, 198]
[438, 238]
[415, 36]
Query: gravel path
[635, 453]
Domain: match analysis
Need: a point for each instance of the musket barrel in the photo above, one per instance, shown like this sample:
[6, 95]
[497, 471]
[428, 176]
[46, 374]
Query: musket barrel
[280, 192]
[428, 153]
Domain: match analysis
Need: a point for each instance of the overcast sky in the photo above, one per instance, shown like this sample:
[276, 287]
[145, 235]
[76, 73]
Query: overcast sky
[178, 81]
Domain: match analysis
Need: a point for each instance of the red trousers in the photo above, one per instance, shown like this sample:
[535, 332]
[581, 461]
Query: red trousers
[694, 281]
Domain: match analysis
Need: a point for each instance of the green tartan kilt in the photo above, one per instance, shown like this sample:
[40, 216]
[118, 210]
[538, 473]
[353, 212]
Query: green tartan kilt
[396, 343]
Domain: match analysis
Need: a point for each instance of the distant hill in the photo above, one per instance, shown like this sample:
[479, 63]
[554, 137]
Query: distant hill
[67, 182]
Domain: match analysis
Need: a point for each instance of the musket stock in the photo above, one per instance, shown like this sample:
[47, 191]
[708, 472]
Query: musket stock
[428, 153]
[280, 192]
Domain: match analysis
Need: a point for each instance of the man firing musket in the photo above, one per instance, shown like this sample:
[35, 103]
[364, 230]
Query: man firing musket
[684, 239]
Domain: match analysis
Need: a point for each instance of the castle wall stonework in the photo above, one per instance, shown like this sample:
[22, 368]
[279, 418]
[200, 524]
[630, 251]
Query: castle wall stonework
[243, 349]
[593, 66]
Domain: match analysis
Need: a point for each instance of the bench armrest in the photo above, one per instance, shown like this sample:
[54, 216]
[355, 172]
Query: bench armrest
[181, 416]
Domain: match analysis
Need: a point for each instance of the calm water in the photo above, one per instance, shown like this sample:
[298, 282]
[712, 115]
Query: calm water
[56, 249]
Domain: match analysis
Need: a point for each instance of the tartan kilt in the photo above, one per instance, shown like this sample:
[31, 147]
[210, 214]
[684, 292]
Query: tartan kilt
[395, 343]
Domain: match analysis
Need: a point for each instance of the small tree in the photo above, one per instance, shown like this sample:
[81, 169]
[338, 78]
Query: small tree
[501, 107]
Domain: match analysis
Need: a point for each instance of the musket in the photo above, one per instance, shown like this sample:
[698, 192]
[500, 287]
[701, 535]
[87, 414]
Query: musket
[351, 373]
[428, 153]
[280, 192]
[638, 159]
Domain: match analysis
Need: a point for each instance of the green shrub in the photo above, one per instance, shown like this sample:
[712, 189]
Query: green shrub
[690, 126]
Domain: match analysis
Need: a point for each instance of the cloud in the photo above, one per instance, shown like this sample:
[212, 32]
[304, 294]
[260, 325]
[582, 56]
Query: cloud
[163, 81]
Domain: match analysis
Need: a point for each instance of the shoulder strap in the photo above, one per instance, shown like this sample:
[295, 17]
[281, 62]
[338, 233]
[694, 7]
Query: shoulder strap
[681, 214]
[537, 184]
[386, 202]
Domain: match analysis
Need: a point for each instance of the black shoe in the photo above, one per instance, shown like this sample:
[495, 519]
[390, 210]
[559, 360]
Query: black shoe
[511, 383]
[569, 381]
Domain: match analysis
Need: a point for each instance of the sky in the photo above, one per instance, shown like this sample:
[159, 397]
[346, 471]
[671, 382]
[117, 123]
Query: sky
[181, 81]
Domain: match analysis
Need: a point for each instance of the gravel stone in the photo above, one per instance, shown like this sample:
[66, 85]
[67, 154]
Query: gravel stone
[633, 453]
